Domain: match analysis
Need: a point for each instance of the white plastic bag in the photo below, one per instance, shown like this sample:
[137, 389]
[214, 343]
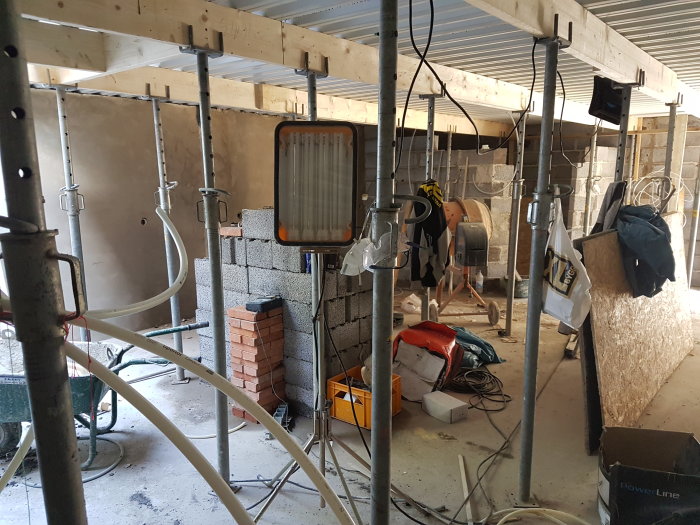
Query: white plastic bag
[566, 284]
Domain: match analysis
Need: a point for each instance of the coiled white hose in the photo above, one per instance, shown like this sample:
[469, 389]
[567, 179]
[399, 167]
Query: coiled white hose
[554, 516]
[166, 294]
[250, 406]
[17, 458]
[155, 416]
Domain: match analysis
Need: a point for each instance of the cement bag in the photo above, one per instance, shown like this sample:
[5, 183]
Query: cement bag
[566, 284]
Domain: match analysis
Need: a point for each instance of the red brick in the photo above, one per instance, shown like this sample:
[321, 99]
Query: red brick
[238, 412]
[231, 231]
[239, 383]
[259, 352]
[271, 359]
[276, 329]
[275, 312]
[272, 321]
[237, 367]
[240, 312]
[250, 418]
[268, 395]
[249, 333]
[260, 341]
[239, 375]
[234, 323]
[257, 369]
[236, 338]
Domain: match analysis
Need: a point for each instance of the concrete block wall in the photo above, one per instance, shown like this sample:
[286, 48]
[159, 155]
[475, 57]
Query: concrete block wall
[255, 265]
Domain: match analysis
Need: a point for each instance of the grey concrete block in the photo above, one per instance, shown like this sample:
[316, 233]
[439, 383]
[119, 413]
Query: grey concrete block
[228, 250]
[235, 278]
[206, 349]
[365, 330]
[352, 307]
[299, 373]
[259, 224]
[365, 300]
[298, 316]
[240, 251]
[351, 357]
[289, 286]
[335, 312]
[259, 253]
[201, 272]
[298, 345]
[344, 336]
[201, 315]
[301, 400]
[288, 258]
[231, 298]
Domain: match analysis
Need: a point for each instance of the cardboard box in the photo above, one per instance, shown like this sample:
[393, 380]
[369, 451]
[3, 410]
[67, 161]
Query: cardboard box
[445, 407]
[650, 477]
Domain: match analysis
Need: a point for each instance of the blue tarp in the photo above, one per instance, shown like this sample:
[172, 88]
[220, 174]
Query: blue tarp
[477, 352]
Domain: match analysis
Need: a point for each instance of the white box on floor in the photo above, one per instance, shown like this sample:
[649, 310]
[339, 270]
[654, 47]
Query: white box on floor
[445, 407]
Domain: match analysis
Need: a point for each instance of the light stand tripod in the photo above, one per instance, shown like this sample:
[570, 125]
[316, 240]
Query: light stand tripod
[322, 435]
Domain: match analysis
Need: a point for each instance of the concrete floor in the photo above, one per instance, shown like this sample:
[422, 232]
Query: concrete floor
[155, 485]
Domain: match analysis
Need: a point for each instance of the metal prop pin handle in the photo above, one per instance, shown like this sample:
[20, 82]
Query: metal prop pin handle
[76, 274]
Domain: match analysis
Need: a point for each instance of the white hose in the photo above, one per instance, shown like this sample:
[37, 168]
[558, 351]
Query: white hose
[155, 416]
[552, 515]
[211, 436]
[247, 404]
[165, 294]
[18, 457]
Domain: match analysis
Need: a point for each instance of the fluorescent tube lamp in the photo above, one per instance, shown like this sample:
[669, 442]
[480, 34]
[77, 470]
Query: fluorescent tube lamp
[315, 183]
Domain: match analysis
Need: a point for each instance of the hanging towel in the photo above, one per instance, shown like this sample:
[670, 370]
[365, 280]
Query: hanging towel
[428, 262]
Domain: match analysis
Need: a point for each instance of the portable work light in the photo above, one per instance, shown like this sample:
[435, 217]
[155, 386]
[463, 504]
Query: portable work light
[315, 183]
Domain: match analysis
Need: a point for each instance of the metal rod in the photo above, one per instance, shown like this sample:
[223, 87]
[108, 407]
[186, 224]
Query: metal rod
[429, 156]
[35, 288]
[70, 192]
[384, 216]
[668, 161]
[516, 198]
[693, 240]
[622, 135]
[164, 188]
[630, 169]
[589, 182]
[539, 215]
[211, 225]
[448, 183]
[317, 265]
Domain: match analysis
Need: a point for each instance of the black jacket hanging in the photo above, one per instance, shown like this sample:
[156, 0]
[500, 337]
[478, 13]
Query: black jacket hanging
[428, 262]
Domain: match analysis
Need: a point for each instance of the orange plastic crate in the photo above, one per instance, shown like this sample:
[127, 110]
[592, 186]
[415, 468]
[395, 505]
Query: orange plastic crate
[342, 409]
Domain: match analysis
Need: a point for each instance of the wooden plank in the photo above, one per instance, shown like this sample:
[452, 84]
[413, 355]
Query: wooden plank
[595, 43]
[181, 86]
[52, 45]
[266, 40]
[640, 341]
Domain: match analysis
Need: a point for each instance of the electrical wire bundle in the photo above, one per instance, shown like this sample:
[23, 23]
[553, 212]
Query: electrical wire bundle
[484, 386]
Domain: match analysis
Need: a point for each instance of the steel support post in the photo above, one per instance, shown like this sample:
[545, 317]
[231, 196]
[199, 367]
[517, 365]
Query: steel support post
[539, 218]
[589, 182]
[448, 183]
[693, 239]
[429, 157]
[384, 216]
[516, 197]
[670, 160]
[31, 266]
[171, 259]
[71, 200]
[317, 264]
[622, 136]
[210, 195]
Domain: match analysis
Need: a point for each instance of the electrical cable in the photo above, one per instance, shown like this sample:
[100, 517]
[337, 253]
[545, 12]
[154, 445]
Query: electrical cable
[165, 294]
[451, 98]
[561, 135]
[484, 386]
[211, 436]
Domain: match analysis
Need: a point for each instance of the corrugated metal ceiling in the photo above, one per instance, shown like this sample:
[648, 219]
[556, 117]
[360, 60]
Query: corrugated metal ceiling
[463, 37]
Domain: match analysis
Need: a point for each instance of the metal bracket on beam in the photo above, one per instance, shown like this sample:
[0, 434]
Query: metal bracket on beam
[192, 49]
[563, 42]
[307, 69]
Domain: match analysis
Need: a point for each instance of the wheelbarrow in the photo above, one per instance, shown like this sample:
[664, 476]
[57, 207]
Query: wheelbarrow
[87, 393]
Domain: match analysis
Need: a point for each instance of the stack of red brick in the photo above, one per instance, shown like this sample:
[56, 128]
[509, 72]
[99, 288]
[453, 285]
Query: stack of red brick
[257, 344]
